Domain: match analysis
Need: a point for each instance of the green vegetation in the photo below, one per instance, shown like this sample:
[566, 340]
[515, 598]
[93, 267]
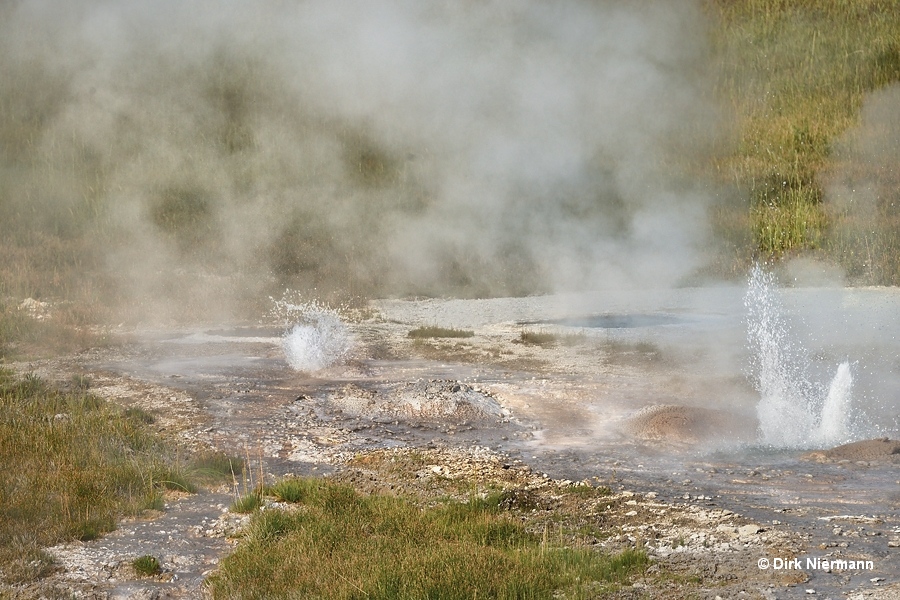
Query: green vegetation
[247, 503]
[215, 467]
[537, 338]
[140, 415]
[64, 331]
[146, 565]
[294, 489]
[75, 464]
[546, 339]
[340, 544]
[439, 332]
[796, 75]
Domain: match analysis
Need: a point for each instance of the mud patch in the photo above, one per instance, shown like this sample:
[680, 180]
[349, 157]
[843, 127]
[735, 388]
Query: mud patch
[680, 424]
[422, 403]
[877, 450]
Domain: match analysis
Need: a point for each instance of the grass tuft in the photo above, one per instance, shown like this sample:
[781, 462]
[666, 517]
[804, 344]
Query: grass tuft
[538, 338]
[439, 332]
[215, 467]
[139, 415]
[247, 503]
[80, 382]
[295, 489]
[146, 565]
[547, 339]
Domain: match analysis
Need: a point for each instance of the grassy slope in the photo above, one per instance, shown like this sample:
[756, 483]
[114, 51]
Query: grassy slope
[796, 75]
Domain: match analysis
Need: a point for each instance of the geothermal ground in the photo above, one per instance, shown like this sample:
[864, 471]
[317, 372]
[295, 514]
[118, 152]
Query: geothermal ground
[652, 397]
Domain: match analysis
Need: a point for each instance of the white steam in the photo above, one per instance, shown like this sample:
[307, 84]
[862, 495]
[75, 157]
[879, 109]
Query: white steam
[392, 147]
[860, 190]
[793, 410]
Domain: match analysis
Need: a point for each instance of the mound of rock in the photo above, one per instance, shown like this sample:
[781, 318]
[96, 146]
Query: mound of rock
[685, 424]
[876, 450]
[423, 402]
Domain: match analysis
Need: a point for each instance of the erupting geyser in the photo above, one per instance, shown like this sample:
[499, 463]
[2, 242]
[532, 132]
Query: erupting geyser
[318, 338]
[793, 411]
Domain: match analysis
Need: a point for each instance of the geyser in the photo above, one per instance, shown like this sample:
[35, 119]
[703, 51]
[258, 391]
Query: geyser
[794, 411]
[316, 340]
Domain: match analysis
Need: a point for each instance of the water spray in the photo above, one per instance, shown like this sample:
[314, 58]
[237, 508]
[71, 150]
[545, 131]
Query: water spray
[316, 338]
[794, 411]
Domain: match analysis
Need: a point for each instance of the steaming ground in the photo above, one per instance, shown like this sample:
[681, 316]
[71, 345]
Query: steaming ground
[656, 402]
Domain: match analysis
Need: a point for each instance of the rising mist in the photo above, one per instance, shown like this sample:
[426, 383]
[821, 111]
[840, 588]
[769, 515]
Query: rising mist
[207, 153]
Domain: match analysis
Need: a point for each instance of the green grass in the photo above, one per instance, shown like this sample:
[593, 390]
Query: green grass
[546, 339]
[215, 467]
[340, 544]
[294, 489]
[140, 415]
[537, 338]
[80, 464]
[439, 332]
[247, 503]
[796, 75]
[22, 336]
[146, 565]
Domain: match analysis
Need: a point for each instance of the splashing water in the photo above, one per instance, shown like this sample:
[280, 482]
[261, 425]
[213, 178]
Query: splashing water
[793, 411]
[834, 425]
[317, 339]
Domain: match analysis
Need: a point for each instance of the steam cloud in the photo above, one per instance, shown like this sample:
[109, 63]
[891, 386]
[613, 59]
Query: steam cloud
[861, 189]
[867, 155]
[392, 147]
